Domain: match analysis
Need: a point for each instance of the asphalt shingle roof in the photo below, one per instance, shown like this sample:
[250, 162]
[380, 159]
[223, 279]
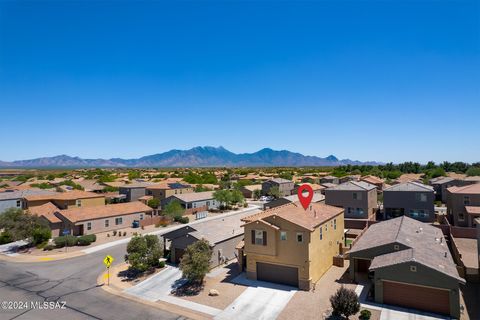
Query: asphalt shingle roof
[410, 186]
[426, 244]
[354, 186]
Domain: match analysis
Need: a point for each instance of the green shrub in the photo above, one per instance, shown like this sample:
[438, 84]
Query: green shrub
[63, 241]
[48, 247]
[5, 237]
[161, 264]
[365, 314]
[41, 235]
[42, 245]
[84, 241]
[181, 219]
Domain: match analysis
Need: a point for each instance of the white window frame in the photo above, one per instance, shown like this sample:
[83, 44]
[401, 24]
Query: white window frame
[118, 221]
[106, 223]
[89, 226]
[321, 233]
[334, 224]
[283, 235]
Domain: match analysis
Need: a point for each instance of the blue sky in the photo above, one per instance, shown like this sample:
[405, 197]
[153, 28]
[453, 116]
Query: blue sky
[367, 80]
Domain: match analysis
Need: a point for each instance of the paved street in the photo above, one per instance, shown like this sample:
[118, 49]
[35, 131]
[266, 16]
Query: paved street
[75, 282]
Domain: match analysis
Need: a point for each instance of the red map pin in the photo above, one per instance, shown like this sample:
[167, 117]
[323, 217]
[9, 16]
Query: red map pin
[305, 201]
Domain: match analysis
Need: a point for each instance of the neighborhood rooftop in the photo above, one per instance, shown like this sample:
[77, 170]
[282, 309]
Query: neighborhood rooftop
[473, 189]
[354, 186]
[111, 210]
[194, 196]
[409, 186]
[316, 214]
[427, 245]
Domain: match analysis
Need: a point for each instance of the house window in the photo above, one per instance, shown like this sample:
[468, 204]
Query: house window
[461, 216]
[321, 233]
[141, 216]
[19, 203]
[283, 235]
[176, 191]
[78, 203]
[355, 196]
[107, 223]
[260, 237]
[118, 221]
[349, 210]
[334, 224]
[396, 247]
[89, 226]
[194, 204]
[422, 197]
[326, 227]
[149, 192]
[466, 200]
[208, 203]
[359, 211]
[299, 237]
[413, 268]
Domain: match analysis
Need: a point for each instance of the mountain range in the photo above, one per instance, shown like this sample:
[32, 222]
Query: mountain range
[195, 157]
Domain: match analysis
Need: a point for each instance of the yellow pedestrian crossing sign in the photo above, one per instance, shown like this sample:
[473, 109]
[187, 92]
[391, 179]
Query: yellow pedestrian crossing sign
[108, 261]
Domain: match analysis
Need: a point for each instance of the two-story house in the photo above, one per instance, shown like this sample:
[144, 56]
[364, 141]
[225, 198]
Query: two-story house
[284, 186]
[163, 190]
[291, 245]
[413, 199]
[463, 205]
[441, 184]
[358, 198]
[134, 191]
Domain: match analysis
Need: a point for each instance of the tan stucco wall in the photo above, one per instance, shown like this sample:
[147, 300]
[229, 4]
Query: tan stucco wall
[321, 252]
[165, 193]
[313, 257]
[88, 202]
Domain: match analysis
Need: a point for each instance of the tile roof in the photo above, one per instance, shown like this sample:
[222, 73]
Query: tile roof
[76, 194]
[293, 212]
[46, 210]
[469, 189]
[194, 196]
[99, 212]
[371, 179]
[253, 187]
[354, 186]
[426, 244]
[409, 186]
[137, 185]
[472, 209]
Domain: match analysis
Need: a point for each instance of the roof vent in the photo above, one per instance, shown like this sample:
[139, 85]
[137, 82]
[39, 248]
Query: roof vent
[445, 254]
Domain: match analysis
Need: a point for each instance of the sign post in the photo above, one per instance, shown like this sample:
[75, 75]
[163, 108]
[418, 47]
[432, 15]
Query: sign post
[108, 261]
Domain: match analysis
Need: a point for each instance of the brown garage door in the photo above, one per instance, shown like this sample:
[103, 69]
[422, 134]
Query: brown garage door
[276, 273]
[178, 254]
[421, 298]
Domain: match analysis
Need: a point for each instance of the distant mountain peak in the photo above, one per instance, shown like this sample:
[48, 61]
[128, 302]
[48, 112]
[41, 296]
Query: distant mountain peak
[201, 156]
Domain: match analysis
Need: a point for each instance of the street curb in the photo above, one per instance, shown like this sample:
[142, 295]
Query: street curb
[161, 305]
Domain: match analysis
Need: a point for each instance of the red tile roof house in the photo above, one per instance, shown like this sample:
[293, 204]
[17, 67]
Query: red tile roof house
[91, 220]
[410, 266]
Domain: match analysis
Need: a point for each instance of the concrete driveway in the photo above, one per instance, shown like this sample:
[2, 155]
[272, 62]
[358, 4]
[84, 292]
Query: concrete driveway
[158, 288]
[261, 300]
